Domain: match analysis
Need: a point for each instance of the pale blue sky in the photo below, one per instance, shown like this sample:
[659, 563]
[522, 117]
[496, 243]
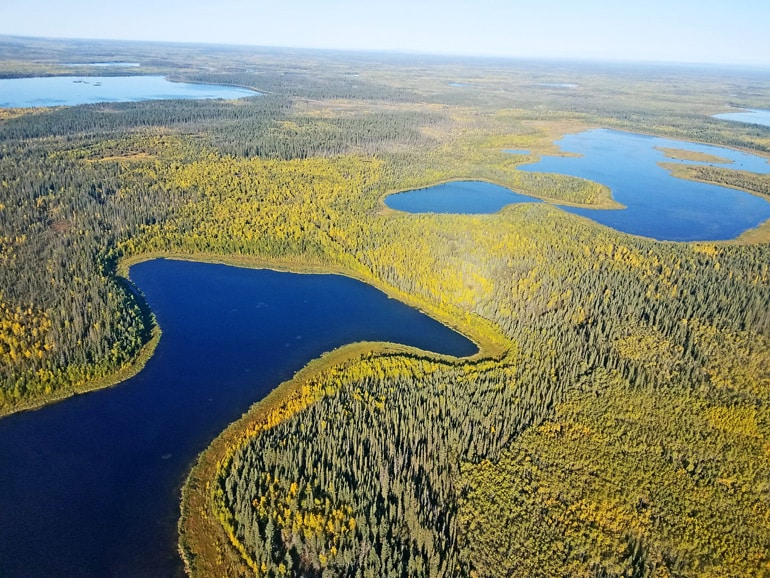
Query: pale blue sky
[711, 31]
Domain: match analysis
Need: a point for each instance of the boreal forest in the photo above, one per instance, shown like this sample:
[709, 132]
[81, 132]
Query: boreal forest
[616, 419]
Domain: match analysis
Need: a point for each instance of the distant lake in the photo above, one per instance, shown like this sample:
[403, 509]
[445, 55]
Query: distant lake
[74, 90]
[106, 64]
[558, 84]
[750, 116]
[464, 197]
[659, 205]
[89, 487]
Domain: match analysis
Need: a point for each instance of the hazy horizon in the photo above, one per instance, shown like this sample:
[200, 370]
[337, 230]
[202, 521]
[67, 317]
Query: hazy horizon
[655, 31]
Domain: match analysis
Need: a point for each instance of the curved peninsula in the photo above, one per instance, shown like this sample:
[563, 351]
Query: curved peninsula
[618, 398]
[71, 91]
[230, 335]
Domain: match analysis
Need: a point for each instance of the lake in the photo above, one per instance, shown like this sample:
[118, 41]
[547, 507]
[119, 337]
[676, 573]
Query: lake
[749, 116]
[465, 197]
[74, 90]
[658, 205]
[558, 84]
[90, 486]
[116, 64]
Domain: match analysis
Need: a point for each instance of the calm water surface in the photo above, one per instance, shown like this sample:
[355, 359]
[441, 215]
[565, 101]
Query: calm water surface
[73, 90]
[464, 197]
[658, 205]
[89, 487]
[558, 84]
[750, 116]
[116, 64]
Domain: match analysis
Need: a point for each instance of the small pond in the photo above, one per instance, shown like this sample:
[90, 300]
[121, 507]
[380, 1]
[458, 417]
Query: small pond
[465, 197]
[74, 90]
[89, 487]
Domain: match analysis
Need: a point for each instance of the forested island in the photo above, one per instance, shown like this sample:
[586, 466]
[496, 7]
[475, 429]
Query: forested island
[616, 419]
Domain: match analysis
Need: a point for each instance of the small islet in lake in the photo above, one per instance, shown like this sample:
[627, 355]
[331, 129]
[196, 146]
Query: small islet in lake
[657, 204]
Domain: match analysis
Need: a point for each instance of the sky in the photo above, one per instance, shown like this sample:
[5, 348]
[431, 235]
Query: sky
[694, 31]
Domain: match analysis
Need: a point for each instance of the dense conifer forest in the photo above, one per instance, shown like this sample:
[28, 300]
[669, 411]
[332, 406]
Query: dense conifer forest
[615, 421]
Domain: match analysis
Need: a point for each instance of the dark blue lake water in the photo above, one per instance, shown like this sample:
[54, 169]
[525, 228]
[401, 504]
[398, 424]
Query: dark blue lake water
[464, 197]
[658, 205]
[90, 486]
[73, 90]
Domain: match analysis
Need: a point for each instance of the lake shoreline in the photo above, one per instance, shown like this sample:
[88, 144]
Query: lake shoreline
[754, 235]
[171, 457]
[492, 346]
[755, 116]
[207, 543]
[488, 345]
[609, 204]
[70, 90]
[202, 537]
[199, 528]
[128, 371]
[636, 167]
[207, 547]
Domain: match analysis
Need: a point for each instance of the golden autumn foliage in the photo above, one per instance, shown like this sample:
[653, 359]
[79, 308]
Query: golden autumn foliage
[615, 421]
[22, 334]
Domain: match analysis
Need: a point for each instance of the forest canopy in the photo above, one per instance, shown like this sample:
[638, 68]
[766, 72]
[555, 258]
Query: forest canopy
[616, 421]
